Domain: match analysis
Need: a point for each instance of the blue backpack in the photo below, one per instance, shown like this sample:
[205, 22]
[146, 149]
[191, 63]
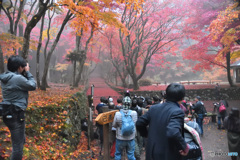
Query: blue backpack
[128, 126]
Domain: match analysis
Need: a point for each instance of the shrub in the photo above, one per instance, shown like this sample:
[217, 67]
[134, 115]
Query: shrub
[145, 82]
[53, 131]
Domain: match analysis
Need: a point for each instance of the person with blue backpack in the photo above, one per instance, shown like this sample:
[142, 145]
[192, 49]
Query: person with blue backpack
[124, 122]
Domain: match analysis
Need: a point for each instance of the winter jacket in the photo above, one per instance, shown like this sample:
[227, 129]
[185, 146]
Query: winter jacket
[224, 113]
[99, 107]
[117, 123]
[194, 136]
[165, 131]
[15, 88]
[198, 107]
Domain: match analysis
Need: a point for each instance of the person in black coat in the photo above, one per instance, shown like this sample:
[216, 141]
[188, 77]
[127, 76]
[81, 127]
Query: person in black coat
[200, 110]
[232, 124]
[166, 122]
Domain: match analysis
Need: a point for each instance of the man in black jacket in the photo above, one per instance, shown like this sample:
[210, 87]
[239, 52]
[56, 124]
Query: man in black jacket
[165, 132]
[199, 109]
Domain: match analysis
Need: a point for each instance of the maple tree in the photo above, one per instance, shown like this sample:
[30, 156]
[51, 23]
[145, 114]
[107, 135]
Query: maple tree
[150, 34]
[211, 35]
[82, 53]
[86, 15]
[226, 30]
[48, 56]
[84, 56]
[98, 12]
[9, 43]
[83, 15]
[112, 48]
[21, 18]
[15, 12]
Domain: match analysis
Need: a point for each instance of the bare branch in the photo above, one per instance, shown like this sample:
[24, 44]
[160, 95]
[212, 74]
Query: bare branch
[32, 6]
[22, 3]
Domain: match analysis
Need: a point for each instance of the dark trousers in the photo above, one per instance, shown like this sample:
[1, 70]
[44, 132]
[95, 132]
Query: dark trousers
[199, 121]
[17, 129]
[100, 127]
[221, 117]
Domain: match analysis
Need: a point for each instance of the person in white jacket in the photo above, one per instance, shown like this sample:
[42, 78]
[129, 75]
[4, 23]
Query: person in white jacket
[125, 141]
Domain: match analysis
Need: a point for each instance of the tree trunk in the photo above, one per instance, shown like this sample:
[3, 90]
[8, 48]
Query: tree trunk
[135, 84]
[1, 60]
[78, 48]
[31, 24]
[46, 66]
[74, 72]
[20, 28]
[229, 70]
[124, 84]
[83, 58]
[80, 69]
[38, 52]
[115, 77]
[123, 78]
[43, 85]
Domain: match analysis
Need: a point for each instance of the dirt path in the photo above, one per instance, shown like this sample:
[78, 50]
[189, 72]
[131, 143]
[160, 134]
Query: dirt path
[214, 141]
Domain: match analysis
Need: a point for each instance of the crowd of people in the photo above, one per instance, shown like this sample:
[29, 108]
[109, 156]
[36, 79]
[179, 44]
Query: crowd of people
[166, 126]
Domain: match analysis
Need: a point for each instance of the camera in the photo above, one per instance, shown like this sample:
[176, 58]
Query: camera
[24, 73]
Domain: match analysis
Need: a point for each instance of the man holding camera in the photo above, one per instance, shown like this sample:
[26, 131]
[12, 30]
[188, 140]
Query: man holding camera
[15, 84]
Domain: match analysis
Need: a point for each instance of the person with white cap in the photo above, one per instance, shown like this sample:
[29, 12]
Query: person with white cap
[124, 122]
[111, 104]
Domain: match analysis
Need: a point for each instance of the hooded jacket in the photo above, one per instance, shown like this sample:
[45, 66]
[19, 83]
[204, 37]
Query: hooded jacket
[15, 88]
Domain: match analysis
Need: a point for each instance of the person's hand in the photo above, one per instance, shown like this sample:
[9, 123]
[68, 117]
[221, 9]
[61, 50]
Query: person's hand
[184, 152]
[26, 68]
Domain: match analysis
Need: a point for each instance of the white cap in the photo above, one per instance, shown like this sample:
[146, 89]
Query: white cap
[110, 99]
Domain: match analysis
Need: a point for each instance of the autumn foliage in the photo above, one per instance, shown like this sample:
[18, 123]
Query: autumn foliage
[47, 114]
[90, 14]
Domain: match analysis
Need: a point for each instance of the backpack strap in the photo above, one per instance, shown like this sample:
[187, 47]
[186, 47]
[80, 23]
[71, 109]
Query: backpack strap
[129, 112]
[121, 112]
